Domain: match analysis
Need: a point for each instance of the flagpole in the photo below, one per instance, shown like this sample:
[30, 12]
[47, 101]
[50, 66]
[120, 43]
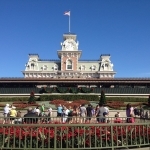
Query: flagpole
[68, 14]
[69, 23]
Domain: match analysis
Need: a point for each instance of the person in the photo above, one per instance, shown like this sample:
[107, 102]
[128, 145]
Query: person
[59, 110]
[89, 113]
[69, 120]
[13, 114]
[30, 117]
[6, 113]
[18, 119]
[79, 112]
[49, 114]
[136, 111]
[129, 111]
[93, 110]
[141, 112]
[42, 110]
[37, 110]
[106, 113]
[96, 110]
[82, 113]
[100, 113]
[147, 115]
[65, 114]
[117, 119]
[74, 114]
[118, 114]
[132, 120]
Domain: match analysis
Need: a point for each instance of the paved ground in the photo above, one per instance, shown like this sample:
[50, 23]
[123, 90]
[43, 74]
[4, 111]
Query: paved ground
[146, 148]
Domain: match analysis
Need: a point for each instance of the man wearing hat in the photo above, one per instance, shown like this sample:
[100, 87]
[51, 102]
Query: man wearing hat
[6, 113]
[30, 117]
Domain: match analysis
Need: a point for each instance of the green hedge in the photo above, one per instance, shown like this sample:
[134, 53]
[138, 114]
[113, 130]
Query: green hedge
[13, 99]
[127, 99]
[70, 97]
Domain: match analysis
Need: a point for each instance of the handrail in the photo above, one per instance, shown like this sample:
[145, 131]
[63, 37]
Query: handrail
[74, 136]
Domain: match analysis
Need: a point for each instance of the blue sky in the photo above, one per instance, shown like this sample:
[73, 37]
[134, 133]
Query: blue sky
[120, 28]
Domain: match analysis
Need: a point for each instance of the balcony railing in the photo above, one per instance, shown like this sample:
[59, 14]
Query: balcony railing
[54, 135]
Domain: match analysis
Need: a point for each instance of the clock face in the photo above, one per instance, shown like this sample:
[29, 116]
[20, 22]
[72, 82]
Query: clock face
[69, 45]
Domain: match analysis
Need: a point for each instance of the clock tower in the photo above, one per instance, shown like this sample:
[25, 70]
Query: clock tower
[69, 53]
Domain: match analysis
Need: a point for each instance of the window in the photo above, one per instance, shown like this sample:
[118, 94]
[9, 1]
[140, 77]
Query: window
[106, 65]
[55, 67]
[93, 67]
[69, 64]
[82, 67]
[44, 67]
[32, 66]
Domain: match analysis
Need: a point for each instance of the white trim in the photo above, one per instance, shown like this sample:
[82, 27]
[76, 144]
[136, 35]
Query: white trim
[67, 64]
[93, 68]
[55, 68]
[44, 68]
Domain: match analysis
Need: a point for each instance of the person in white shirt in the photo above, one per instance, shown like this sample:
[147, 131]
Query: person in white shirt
[106, 110]
[6, 113]
[37, 110]
[49, 114]
[65, 114]
[106, 114]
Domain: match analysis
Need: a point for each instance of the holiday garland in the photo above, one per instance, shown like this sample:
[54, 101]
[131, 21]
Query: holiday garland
[67, 90]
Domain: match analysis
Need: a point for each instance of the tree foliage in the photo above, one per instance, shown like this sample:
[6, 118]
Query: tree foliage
[102, 98]
[32, 98]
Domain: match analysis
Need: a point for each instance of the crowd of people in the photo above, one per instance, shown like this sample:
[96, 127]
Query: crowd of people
[84, 114]
[81, 114]
[12, 116]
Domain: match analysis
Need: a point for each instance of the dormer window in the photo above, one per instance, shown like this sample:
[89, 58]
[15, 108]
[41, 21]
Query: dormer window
[44, 67]
[32, 66]
[93, 67]
[55, 67]
[69, 64]
[83, 67]
[106, 65]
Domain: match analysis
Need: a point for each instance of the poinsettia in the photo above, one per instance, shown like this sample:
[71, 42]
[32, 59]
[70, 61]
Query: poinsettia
[73, 136]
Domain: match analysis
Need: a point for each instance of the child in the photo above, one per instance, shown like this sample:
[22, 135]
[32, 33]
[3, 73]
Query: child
[118, 114]
[131, 119]
[117, 120]
[18, 119]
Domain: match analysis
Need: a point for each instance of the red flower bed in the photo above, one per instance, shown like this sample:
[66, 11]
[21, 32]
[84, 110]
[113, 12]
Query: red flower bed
[2, 105]
[81, 101]
[119, 104]
[21, 105]
[19, 102]
[69, 104]
[78, 136]
[57, 101]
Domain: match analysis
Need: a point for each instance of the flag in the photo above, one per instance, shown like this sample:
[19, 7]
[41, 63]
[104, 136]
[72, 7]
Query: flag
[67, 13]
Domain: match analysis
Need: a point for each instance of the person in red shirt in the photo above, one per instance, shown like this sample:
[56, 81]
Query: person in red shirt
[117, 120]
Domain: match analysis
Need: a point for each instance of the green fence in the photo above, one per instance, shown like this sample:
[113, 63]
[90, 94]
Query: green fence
[56, 136]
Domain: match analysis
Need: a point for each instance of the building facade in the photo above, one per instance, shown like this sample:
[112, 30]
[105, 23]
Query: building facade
[69, 64]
